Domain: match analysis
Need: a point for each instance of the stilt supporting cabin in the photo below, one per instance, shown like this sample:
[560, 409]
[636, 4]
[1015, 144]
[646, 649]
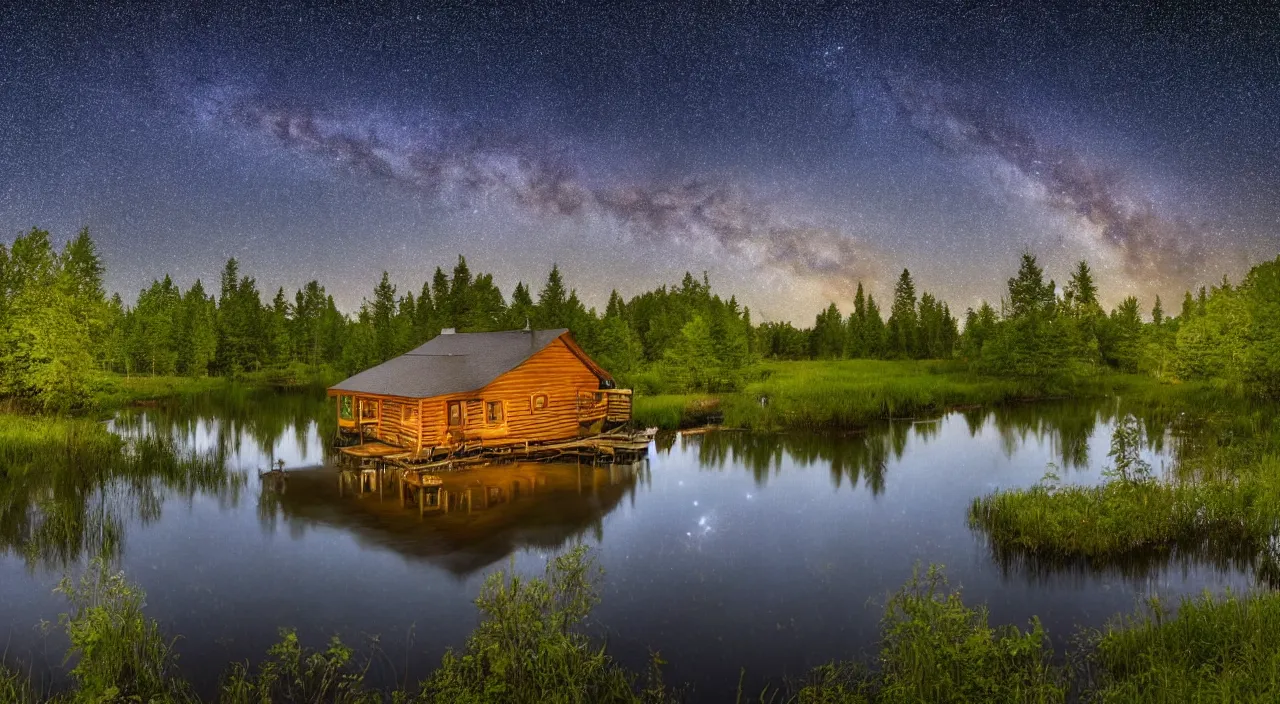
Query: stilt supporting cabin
[463, 398]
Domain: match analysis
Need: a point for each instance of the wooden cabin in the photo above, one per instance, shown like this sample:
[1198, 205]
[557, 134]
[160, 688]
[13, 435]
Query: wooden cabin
[482, 389]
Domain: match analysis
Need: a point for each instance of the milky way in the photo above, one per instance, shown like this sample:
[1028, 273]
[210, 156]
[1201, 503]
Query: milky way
[1153, 246]
[691, 211]
[790, 153]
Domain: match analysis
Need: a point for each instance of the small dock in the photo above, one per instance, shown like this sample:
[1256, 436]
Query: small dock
[605, 448]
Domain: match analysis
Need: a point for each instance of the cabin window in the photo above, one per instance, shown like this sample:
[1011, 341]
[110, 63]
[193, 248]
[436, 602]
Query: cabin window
[368, 409]
[538, 402]
[409, 412]
[599, 398]
[455, 413]
[493, 412]
[345, 409]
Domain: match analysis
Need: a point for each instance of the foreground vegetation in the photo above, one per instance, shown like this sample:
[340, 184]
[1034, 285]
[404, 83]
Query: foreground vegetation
[530, 647]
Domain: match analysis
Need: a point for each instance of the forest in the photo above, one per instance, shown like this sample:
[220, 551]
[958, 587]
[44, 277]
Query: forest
[62, 334]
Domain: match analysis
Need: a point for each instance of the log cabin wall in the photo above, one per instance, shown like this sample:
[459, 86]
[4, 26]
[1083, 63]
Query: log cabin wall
[398, 422]
[555, 371]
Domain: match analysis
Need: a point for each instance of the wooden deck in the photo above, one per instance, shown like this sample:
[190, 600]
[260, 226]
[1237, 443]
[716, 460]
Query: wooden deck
[605, 448]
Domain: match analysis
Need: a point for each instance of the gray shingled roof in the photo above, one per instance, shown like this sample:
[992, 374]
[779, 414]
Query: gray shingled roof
[450, 364]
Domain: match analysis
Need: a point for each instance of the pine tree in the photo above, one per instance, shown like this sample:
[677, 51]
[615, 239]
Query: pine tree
[382, 314]
[875, 330]
[903, 325]
[1157, 313]
[827, 340]
[857, 323]
[461, 300]
[440, 297]
[552, 302]
[279, 344]
[520, 314]
[200, 336]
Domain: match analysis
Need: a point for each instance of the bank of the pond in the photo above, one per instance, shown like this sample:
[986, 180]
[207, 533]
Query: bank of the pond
[529, 647]
[113, 391]
[843, 394]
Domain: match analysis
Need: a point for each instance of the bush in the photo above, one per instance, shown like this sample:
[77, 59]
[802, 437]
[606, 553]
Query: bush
[528, 648]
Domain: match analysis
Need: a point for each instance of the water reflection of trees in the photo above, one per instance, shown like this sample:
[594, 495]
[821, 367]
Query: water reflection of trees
[264, 417]
[862, 457]
[72, 497]
[852, 459]
[1222, 557]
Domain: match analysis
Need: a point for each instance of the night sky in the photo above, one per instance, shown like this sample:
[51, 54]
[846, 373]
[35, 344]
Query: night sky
[787, 149]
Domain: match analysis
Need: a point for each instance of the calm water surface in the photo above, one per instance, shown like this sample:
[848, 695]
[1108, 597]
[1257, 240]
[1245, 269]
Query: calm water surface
[723, 551]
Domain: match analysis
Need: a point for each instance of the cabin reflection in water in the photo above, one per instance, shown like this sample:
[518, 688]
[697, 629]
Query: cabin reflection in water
[469, 520]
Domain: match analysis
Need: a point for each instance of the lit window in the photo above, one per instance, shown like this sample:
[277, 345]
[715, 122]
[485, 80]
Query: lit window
[539, 402]
[494, 412]
[455, 413]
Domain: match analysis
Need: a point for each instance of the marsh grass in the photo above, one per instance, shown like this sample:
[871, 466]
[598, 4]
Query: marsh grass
[529, 646]
[15, 688]
[844, 394]
[292, 673]
[1215, 649]
[111, 391]
[1226, 492]
[673, 411]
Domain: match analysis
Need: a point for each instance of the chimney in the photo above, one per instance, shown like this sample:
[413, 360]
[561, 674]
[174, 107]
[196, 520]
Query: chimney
[448, 331]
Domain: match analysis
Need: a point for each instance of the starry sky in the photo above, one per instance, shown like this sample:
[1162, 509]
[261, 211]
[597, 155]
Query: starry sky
[788, 149]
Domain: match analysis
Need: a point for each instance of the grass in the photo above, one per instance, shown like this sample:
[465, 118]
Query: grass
[116, 391]
[1224, 496]
[1223, 649]
[673, 411]
[843, 394]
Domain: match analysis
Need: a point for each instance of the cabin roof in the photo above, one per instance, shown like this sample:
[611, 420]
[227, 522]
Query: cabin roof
[455, 363]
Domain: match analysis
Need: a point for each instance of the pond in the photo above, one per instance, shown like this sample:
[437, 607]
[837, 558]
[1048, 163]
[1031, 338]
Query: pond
[725, 551]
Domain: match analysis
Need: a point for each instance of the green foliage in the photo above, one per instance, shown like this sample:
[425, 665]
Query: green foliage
[934, 648]
[58, 330]
[15, 688]
[293, 673]
[527, 647]
[1223, 649]
[52, 311]
[119, 653]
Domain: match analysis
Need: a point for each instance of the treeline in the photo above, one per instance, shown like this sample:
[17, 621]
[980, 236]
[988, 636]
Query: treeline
[1226, 334]
[916, 329]
[59, 330]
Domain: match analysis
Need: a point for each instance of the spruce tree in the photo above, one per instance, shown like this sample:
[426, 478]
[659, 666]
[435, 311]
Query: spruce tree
[903, 323]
